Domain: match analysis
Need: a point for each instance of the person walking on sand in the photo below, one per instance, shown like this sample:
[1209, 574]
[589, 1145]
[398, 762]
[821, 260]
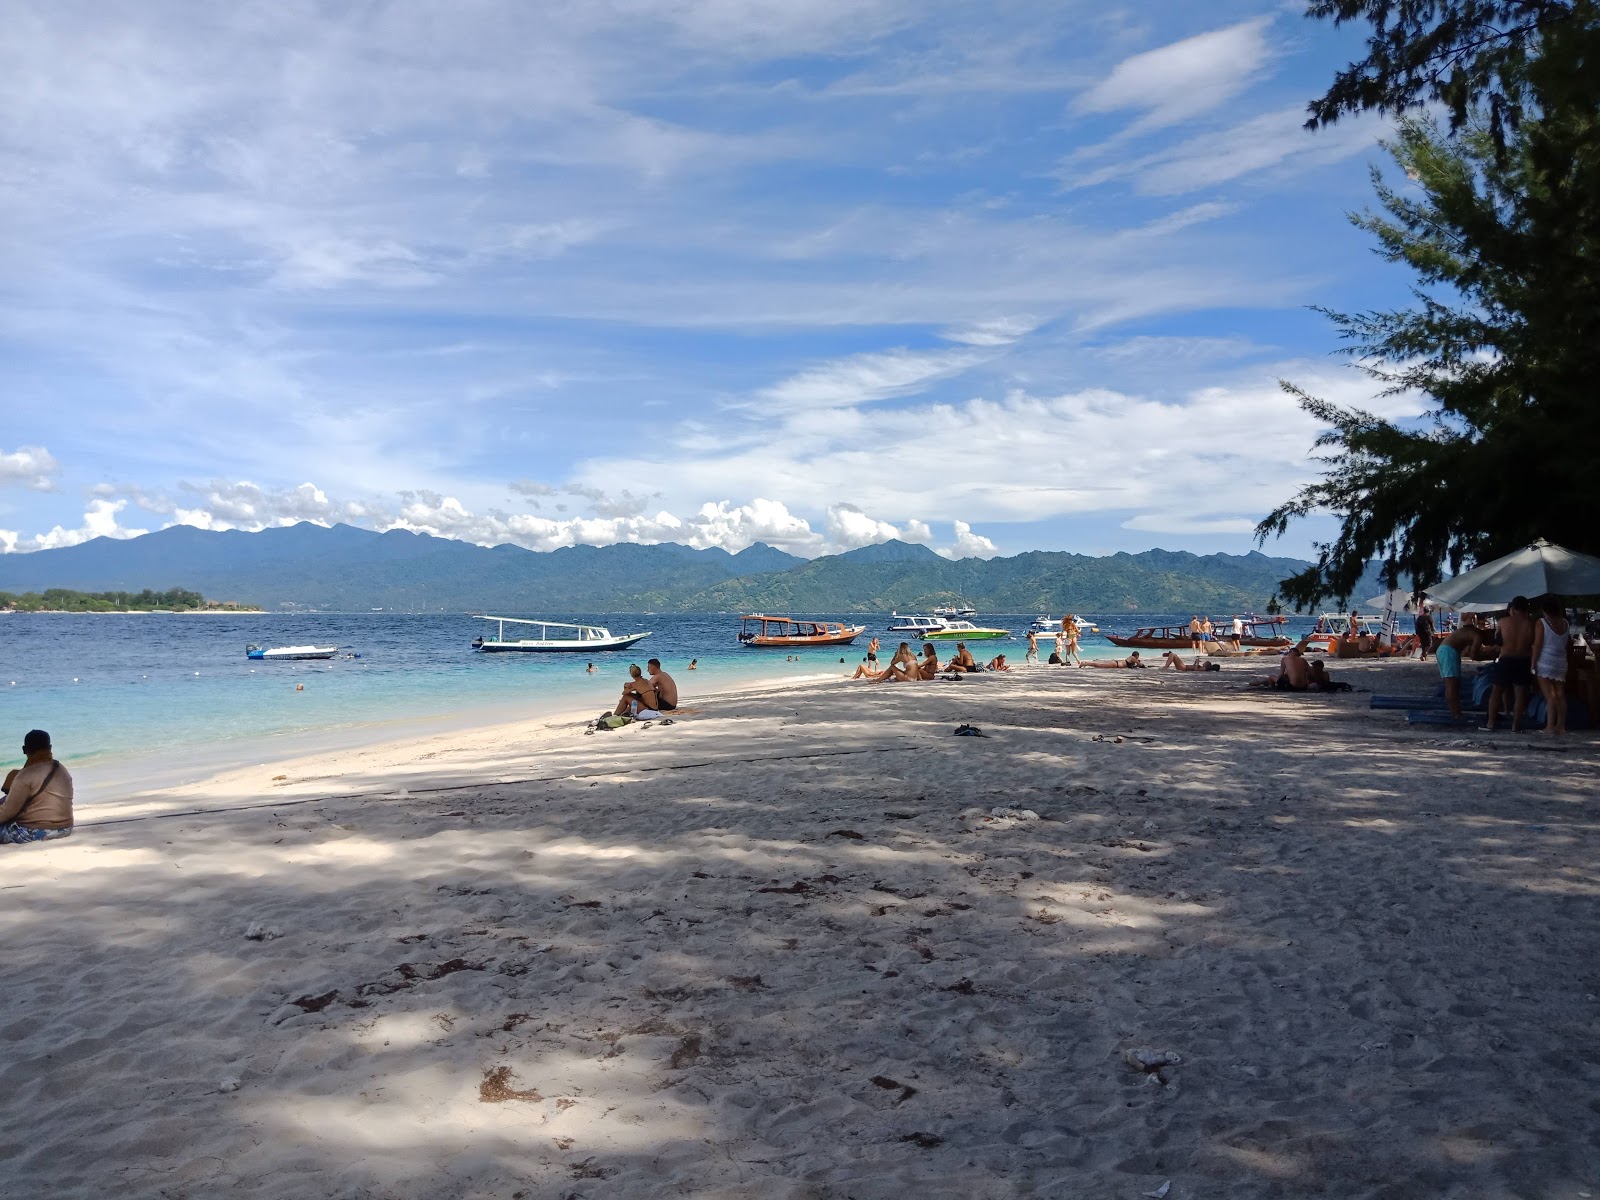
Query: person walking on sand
[36, 798]
[1424, 633]
[1513, 669]
[872, 655]
[1550, 664]
[1032, 656]
[1070, 625]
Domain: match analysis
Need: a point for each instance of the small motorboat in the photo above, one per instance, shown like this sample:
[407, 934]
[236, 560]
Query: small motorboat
[761, 631]
[1048, 627]
[918, 625]
[581, 639]
[965, 631]
[285, 653]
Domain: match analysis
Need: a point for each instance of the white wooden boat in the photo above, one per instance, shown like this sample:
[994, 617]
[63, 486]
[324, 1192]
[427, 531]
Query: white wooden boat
[577, 639]
[280, 653]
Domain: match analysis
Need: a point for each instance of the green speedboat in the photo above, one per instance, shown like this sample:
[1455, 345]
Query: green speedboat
[964, 631]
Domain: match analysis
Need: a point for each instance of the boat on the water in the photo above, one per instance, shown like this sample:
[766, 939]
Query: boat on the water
[759, 630]
[281, 653]
[1351, 635]
[965, 631]
[955, 610]
[918, 625]
[1258, 631]
[570, 639]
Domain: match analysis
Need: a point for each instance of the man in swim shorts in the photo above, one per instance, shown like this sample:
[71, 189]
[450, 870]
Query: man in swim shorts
[1466, 639]
[666, 688]
[36, 805]
[1513, 669]
[638, 694]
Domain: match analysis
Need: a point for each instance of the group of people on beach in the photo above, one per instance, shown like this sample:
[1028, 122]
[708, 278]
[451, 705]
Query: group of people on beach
[906, 667]
[1066, 645]
[1525, 652]
[647, 696]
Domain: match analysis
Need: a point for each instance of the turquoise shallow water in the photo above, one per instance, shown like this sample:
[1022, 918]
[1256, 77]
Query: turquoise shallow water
[115, 688]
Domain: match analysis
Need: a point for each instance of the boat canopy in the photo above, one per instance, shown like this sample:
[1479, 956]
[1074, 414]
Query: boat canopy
[759, 625]
[585, 633]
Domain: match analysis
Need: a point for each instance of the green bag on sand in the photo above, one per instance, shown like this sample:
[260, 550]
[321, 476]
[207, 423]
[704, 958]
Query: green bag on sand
[612, 721]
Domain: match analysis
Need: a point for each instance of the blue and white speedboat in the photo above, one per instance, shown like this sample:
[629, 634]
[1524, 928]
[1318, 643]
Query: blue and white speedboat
[280, 653]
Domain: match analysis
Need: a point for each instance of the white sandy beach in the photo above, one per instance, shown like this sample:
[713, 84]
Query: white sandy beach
[811, 945]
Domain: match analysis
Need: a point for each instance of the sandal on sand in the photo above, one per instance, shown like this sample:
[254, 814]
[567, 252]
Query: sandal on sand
[969, 731]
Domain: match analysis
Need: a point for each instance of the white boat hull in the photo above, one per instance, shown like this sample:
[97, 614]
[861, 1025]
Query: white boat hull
[291, 653]
[557, 645]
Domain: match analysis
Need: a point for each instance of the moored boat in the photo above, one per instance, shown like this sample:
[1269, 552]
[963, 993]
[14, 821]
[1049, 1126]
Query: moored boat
[1048, 627]
[917, 625]
[582, 639]
[761, 631]
[282, 653]
[965, 631]
[1178, 637]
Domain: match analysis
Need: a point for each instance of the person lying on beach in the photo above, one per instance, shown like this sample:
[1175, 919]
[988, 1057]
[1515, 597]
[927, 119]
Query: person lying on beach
[666, 688]
[963, 661]
[997, 663]
[36, 798]
[1294, 674]
[1132, 663]
[638, 695]
[1175, 663]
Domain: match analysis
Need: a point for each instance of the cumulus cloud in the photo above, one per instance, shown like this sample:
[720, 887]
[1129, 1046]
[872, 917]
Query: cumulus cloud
[969, 544]
[99, 520]
[1184, 79]
[29, 467]
[849, 528]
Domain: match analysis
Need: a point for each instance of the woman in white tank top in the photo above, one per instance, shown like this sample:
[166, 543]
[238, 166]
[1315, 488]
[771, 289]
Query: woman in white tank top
[1550, 664]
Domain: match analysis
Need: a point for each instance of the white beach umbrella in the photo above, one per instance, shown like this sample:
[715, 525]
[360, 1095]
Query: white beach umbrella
[1536, 570]
[1398, 600]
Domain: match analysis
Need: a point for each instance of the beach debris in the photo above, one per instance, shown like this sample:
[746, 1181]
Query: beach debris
[926, 1141]
[747, 983]
[316, 1003]
[230, 1084]
[256, 931]
[1143, 1058]
[798, 888]
[899, 816]
[906, 1090]
[847, 833]
[1159, 1193]
[496, 1088]
[969, 731]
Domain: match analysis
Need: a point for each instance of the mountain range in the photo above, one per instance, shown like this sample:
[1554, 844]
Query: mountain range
[346, 569]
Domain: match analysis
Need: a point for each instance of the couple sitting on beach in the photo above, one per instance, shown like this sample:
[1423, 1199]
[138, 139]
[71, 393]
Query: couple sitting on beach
[36, 798]
[905, 667]
[645, 699]
[1296, 674]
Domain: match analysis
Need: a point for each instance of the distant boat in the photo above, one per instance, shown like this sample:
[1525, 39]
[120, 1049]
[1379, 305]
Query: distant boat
[760, 631]
[965, 631]
[1048, 627]
[279, 653]
[582, 639]
[955, 610]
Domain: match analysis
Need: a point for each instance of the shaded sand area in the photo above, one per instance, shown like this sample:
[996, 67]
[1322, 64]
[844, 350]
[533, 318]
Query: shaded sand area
[811, 945]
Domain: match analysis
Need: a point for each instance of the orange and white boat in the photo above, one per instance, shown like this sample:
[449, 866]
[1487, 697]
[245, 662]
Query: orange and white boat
[762, 631]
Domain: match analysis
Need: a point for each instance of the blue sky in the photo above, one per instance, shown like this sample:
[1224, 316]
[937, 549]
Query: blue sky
[1019, 275]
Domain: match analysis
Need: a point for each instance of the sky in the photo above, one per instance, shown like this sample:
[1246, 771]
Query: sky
[992, 277]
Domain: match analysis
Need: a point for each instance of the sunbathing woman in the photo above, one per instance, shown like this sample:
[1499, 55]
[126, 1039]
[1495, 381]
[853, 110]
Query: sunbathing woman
[1177, 664]
[1131, 663]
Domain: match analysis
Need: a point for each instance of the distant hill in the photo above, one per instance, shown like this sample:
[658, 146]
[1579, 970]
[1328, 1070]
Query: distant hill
[347, 569]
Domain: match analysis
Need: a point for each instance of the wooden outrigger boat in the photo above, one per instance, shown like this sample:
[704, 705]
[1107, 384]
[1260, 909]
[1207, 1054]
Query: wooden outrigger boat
[1351, 635]
[582, 639]
[1178, 637]
[761, 631]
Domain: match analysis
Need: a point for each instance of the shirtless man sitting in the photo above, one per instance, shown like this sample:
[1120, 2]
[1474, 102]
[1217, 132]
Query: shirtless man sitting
[963, 661]
[1294, 673]
[1132, 663]
[666, 687]
[638, 694]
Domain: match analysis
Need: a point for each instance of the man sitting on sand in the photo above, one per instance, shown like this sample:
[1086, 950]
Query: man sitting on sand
[1132, 663]
[638, 695]
[37, 797]
[1294, 673]
[963, 661]
[666, 688]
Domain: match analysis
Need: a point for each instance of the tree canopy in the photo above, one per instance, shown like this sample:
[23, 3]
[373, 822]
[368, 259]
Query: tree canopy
[1500, 223]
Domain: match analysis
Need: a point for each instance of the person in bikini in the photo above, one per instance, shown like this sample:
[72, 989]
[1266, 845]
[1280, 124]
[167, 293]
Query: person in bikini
[1174, 663]
[998, 663]
[638, 694]
[1132, 663]
[929, 667]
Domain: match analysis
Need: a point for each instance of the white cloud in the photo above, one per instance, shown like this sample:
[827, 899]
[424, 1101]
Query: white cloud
[1272, 140]
[99, 520]
[864, 378]
[997, 331]
[1184, 79]
[969, 544]
[29, 467]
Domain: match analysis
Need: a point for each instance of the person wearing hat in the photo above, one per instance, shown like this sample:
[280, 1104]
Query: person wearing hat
[37, 804]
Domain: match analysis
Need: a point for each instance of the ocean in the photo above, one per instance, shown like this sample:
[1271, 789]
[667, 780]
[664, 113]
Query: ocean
[155, 695]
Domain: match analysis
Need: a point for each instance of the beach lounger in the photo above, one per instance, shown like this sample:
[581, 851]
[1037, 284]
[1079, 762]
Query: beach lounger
[1440, 716]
